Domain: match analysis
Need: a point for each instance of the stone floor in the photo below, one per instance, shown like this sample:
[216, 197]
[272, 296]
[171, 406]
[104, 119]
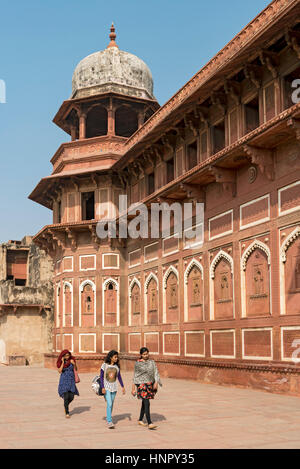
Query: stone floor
[189, 416]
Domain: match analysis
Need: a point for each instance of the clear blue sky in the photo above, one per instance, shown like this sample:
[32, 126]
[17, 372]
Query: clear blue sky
[41, 43]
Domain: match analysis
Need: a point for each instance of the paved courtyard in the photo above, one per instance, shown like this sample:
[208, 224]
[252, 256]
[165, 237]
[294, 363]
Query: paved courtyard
[188, 414]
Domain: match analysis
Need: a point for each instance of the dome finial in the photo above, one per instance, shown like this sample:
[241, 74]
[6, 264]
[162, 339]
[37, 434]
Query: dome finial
[112, 37]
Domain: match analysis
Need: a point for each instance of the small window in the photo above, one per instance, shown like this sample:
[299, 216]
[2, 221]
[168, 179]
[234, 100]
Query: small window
[218, 137]
[151, 183]
[203, 146]
[252, 115]
[59, 212]
[110, 286]
[192, 157]
[88, 205]
[170, 170]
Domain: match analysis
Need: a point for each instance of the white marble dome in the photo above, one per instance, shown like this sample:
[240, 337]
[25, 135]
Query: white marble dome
[112, 70]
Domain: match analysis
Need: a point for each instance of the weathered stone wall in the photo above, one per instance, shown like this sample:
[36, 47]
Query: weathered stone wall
[26, 312]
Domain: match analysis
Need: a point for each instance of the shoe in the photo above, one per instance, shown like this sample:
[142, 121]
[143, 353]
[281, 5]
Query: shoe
[111, 425]
[140, 422]
[67, 416]
[151, 426]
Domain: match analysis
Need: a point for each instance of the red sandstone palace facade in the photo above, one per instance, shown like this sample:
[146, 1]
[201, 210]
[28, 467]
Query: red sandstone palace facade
[222, 309]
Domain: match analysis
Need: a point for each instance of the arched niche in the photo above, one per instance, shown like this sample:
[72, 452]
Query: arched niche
[151, 299]
[110, 305]
[290, 273]
[170, 296]
[87, 302]
[193, 292]
[126, 121]
[96, 122]
[221, 287]
[135, 303]
[256, 280]
[67, 304]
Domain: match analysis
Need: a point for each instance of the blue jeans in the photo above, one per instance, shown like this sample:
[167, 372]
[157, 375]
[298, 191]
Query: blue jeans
[109, 397]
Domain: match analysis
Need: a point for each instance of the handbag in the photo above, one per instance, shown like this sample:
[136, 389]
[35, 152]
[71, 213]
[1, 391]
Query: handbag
[96, 386]
[77, 379]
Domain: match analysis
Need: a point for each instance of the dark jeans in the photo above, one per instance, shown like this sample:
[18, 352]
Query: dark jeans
[145, 409]
[68, 398]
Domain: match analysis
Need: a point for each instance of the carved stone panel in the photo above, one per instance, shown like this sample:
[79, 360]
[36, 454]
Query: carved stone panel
[195, 295]
[152, 302]
[135, 305]
[68, 305]
[110, 304]
[87, 306]
[172, 299]
[257, 284]
[292, 278]
[223, 291]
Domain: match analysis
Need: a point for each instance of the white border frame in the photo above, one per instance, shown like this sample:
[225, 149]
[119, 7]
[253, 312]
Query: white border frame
[110, 254]
[256, 244]
[173, 333]
[147, 281]
[196, 244]
[290, 210]
[145, 345]
[133, 282]
[185, 344]
[170, 270]
[104, 288]
[139, 263]
[283, 248]
[221, 254]
[256, 329]
[287, 328]
[89, 268]
[234, 343]
[163, 245]
[68, 257]
[85, 334]
[81, 287]
[131, 334]
[65, 335]
[65, 282]
[154, 258]
[110, 334]
[261, 220]
[225, 233]
[193, 263]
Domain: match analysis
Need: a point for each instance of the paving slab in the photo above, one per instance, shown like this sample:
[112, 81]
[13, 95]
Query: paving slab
[189, 415]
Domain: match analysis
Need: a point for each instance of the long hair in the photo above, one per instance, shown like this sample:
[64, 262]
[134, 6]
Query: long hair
[109, 357]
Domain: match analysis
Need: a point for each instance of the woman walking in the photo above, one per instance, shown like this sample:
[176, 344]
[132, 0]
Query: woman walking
[67, 388]
[145, 385]
[110, 371]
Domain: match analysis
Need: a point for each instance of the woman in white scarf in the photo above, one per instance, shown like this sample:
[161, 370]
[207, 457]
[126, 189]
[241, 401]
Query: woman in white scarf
[145, 385]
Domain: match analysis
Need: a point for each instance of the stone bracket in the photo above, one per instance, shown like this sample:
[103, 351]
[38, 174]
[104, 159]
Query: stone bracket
[263, 158]
[226, 177]
[294, 124]
[253, 74]
[293, 41]
[72, 237]
[194, 191]
[271, 61]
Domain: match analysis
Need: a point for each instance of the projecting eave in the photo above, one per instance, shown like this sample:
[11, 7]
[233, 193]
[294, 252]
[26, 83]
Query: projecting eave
[262, 31]
[44, 191]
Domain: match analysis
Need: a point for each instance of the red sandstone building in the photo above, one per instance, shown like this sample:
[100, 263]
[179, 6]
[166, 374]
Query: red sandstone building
[225, 310]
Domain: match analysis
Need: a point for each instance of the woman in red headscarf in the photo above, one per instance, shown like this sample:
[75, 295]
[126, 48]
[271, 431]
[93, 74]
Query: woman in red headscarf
[66, 364]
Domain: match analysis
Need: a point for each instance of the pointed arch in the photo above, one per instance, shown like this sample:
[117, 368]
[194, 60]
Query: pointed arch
[70, 286]
[81, 289]
[219, 256]
[150, 277]
[256, 244]
[290, 239]
[105, 285]
[193, 263]
[133, 282]
[169, 271]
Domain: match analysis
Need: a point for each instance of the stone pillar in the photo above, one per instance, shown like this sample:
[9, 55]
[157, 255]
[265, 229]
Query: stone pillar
[82, 126]
[111, 115]
[73, 132]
